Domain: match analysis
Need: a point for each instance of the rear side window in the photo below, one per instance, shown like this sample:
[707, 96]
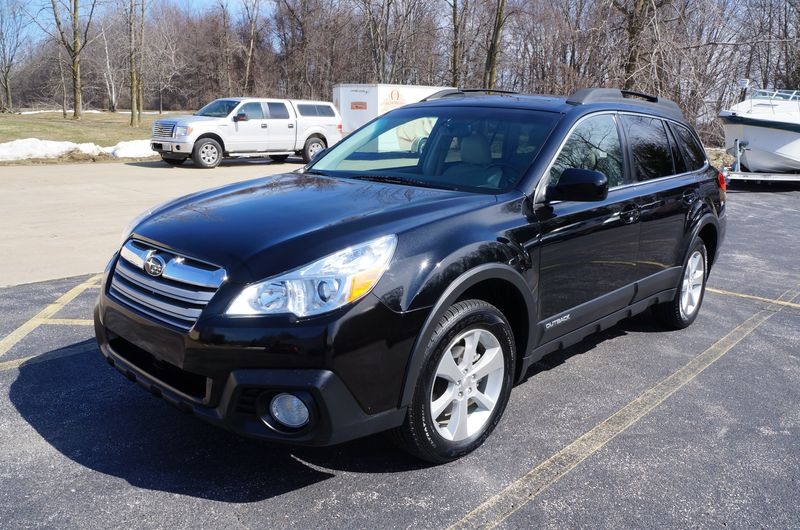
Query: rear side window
[689, 146]
[277, 111]
[309, 109]
[652, 157]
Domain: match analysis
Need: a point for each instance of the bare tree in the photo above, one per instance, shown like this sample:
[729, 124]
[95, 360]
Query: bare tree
[490, 72]
[11, 35]
[133, 63]
[73, 39]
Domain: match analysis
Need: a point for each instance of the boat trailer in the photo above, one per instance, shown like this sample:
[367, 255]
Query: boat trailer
[735, 173]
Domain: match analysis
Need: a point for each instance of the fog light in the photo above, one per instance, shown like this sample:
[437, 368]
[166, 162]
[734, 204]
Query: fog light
[289, 410]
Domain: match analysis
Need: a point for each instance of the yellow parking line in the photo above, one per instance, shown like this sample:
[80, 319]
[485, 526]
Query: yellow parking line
[8, 342]
[502, 505]
[68, 322]
[758, 298]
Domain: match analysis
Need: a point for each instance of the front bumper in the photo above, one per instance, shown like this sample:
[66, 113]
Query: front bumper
[171, 147]
[348, 370]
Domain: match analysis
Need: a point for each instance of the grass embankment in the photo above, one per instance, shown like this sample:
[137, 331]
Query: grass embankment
[105, 129]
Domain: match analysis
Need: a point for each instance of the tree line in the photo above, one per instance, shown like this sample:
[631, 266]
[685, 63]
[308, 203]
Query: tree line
[172, 54]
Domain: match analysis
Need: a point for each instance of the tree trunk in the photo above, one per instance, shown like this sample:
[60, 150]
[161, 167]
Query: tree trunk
[132, 59]
[490, 72]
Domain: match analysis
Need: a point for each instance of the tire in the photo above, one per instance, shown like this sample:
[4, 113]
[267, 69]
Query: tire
[464, 385]
[681, 311]
[279, 158]
[207, 153]
[313, 146]
[173, 161]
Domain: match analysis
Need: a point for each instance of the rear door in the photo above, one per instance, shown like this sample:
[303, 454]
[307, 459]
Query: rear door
[282, 129]
[667, 190]
[588, 249]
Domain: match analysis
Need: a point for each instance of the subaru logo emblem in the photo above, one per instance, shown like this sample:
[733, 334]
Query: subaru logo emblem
[154, 264]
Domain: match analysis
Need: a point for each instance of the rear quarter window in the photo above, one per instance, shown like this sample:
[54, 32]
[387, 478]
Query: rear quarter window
[308, 109]
[689, 146]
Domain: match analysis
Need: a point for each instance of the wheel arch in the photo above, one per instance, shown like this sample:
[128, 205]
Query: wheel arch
[495, 283]
[217, 138]
[707, 229]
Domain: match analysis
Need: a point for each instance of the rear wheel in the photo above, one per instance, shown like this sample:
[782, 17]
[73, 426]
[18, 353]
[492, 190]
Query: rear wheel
[312, 148]
[207, 153]
[464, 385]
[681, 311]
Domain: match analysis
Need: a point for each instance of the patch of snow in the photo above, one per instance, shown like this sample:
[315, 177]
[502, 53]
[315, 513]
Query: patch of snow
[35, 148]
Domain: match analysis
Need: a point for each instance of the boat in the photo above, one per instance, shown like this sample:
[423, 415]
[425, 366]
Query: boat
[765, 127]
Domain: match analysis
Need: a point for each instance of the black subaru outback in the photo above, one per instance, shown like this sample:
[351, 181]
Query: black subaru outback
[405, 279]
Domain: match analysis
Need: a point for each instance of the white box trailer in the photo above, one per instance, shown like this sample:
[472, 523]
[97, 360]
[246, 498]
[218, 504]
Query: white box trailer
[360, 103]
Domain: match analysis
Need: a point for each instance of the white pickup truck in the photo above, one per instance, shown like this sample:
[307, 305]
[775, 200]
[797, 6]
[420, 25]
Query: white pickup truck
[248, 127]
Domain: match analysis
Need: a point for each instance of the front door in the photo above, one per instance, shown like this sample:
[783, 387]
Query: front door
[588, 250]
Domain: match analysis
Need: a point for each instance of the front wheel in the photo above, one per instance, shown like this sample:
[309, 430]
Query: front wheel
[312, 148]
[681, 311]
[207, 153]
[464, 385]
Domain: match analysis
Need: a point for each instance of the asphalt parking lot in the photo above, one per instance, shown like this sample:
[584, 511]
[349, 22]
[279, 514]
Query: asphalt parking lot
[633, 428]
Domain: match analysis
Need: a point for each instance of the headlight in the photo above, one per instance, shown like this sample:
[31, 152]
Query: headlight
[322, 286]
[182, 130]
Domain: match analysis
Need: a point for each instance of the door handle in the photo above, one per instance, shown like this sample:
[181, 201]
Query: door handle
[291, 125]
[263, 125]
[629, 214]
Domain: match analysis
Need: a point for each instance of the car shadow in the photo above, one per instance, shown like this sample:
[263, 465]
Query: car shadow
[92, 415]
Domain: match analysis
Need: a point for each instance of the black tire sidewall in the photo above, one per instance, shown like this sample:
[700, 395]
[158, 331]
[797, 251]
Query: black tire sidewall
[196, 153]
[307, 155]
[477, 315]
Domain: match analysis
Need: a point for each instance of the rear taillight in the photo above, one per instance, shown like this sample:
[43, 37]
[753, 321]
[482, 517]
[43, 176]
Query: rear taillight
[721, 182]
[339, 128]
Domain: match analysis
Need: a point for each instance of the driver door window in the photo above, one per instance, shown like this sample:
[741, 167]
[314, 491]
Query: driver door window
[594, 144]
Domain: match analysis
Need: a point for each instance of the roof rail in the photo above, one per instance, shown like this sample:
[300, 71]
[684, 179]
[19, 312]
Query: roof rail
[596, 95]
[463, 92]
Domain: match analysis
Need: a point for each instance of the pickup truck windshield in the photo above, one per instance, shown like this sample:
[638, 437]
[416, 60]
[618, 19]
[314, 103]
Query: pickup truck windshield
[465, 148]
[218, 108]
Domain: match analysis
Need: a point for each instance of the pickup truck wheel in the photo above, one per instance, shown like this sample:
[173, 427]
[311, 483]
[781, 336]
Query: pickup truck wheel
[681, 311]
[279, 158]
[173, 161]
[464, 386]
[207, 153]
[313, 146]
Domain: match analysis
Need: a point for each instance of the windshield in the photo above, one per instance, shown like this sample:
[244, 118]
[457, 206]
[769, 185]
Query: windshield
[464, 148]
[218, 108]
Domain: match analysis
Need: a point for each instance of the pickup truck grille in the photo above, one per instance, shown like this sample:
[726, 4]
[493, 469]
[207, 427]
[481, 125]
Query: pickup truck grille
[163, 129]
[164, 286]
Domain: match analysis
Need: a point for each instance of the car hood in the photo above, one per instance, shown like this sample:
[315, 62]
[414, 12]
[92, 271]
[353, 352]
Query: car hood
[193, 120]
[267, 226]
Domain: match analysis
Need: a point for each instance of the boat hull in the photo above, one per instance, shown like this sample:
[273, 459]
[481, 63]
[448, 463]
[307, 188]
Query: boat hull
[772, 146]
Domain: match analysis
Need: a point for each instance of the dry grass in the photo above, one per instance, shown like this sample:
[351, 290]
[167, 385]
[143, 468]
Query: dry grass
[104, 128]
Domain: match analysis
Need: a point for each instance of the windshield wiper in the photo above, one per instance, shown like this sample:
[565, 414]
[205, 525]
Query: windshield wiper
[407, 181]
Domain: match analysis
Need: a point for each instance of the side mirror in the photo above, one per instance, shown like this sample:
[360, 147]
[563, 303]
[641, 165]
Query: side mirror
[582, 185]
[240, 117]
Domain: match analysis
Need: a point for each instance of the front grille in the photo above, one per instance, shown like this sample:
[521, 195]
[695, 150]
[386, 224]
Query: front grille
[166, 287]
[163, 129]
